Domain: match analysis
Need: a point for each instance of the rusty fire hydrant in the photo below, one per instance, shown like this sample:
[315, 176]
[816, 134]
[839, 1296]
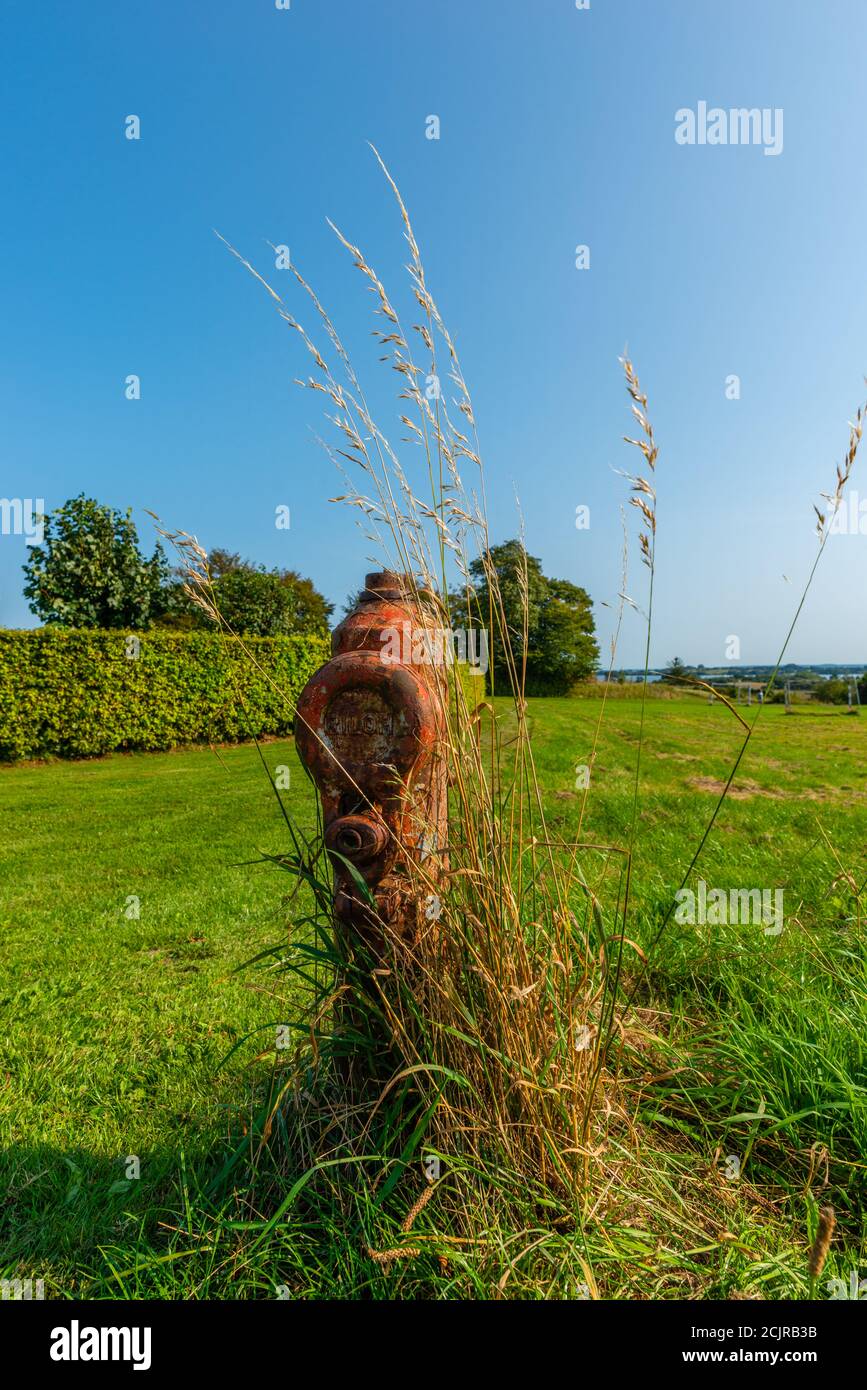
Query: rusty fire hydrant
[369, 730]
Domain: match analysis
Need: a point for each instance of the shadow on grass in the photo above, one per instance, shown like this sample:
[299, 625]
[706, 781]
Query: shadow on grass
[63, 1208]
[171, 1221]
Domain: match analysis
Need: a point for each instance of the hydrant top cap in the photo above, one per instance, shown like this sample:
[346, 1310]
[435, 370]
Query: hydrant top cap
[386, 584]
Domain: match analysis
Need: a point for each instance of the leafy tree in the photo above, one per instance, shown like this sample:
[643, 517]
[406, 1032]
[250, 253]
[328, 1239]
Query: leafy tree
[255, 600]
[675, 671]
[560, 645]
[270, 603]
[89, 572]
[222, 562]
[834, 691]
[312, 610]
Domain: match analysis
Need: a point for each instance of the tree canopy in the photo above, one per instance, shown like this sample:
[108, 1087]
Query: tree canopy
[89, 571]
[675, 671]
[560, 645]
[255, 600]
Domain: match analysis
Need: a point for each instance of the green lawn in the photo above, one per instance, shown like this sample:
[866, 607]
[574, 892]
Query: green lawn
[114, 1025]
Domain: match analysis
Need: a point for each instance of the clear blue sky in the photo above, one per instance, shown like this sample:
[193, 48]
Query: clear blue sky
[557, 128]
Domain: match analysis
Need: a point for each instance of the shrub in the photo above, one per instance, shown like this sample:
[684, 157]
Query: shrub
[75, 693]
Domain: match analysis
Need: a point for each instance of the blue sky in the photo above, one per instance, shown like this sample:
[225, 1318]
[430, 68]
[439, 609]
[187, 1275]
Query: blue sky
[557, 128]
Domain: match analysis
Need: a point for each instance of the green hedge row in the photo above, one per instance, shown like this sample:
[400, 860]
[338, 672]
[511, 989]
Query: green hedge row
[79, 693]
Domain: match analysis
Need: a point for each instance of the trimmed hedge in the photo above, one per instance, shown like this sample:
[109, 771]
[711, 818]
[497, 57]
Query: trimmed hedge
[75, 694]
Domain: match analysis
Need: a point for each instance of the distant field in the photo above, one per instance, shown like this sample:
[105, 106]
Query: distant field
[804, 778]
[113, 1025]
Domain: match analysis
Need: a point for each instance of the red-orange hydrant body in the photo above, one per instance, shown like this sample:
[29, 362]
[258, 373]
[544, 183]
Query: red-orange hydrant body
[369, 729]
